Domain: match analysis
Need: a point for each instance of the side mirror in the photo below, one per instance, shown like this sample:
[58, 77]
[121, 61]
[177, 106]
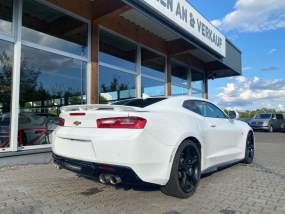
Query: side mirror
[233, 115]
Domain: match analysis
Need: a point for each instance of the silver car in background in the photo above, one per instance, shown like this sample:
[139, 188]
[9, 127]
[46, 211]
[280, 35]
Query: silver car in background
[267, 121]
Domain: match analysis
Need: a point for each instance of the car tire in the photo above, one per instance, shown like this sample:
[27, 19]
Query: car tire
[270, 129]
[186, 171]
[249, 149]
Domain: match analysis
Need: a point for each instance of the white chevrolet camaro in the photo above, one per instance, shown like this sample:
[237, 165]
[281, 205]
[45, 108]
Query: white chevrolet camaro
[168, 141]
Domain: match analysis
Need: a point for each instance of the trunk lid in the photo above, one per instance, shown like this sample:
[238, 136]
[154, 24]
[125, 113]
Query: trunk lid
[90, 114]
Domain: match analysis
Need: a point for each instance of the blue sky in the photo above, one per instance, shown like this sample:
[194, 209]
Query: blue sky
[257, 28]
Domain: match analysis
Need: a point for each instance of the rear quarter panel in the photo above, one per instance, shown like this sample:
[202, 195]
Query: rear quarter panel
[172, 127]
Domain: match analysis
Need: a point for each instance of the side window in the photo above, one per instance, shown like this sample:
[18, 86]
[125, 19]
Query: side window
[280, 117]
[203, 108]
[192, 106]
[213, 111]
[273, 116]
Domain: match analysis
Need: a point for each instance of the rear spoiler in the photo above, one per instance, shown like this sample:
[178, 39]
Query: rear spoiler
[93, 107]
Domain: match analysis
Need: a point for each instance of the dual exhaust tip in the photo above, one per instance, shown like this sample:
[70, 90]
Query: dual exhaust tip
[104, 178]
[113, 179]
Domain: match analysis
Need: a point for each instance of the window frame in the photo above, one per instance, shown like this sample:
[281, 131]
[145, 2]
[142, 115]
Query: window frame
[16, 39]
[7, 36]
[137, 72]
[225, 115]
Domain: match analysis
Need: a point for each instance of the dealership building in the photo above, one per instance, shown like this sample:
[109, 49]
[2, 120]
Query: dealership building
[55, 53]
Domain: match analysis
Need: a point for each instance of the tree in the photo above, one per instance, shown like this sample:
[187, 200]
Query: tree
[116, 86]
[250, 114]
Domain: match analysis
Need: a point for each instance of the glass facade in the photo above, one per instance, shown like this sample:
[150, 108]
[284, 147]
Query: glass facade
[118, 69]
[197, 94]
[179, 91]
[152, 64]
[6, 71]
[51, 70]
[197, 80]
[179, 73]
[6, 16]
[115, 85]
[152, 87]
[116, 51]
[47, 81]
[48, 27]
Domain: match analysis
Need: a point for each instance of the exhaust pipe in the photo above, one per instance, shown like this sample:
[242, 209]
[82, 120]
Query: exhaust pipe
[115, 179]
[104, 178]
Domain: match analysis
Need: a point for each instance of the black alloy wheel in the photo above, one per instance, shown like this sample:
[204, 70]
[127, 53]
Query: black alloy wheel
[249, 150]
[186, 171]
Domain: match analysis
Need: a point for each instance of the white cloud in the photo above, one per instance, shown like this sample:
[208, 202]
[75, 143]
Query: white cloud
[267, 105]
[233, 37]
[216, 23]
[270, 52]
[280, 107]
[236, 108]
[247, 68]
[254, 16]
[244, 91]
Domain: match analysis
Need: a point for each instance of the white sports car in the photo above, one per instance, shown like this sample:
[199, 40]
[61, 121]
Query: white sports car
[169, 141]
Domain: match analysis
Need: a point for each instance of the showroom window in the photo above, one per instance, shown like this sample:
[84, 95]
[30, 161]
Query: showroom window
[197, 84]
[51, 59]
[6, 16]
[152, 72]
[117, 68]
[51, 28]
[6, 71]
[179, 79]
[116, 51]
[152, 64]
[115, 85]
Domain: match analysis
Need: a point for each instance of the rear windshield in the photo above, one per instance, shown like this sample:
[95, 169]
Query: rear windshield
[139, 102]
[262, 116]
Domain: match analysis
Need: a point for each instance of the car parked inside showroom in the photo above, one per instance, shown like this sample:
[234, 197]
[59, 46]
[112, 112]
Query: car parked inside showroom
[269, 122]
[167, 141]
[34, 128]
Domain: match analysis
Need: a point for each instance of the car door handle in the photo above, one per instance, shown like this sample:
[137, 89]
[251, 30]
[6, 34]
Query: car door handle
[212, 125]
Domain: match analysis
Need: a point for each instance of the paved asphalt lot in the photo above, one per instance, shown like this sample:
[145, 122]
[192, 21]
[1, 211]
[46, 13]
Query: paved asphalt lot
[255, 188]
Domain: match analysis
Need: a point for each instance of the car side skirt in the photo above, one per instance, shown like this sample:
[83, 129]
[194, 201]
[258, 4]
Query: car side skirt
[215, 168]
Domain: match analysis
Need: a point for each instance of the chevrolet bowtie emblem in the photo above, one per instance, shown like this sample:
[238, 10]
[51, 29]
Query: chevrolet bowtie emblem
[77, 123]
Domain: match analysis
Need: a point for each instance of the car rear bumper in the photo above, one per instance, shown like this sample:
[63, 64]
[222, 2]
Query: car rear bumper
[126, 174]
[135, 149]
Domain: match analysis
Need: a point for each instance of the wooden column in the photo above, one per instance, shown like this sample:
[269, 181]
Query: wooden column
[168, 84]
[206, 86]
[95, 63]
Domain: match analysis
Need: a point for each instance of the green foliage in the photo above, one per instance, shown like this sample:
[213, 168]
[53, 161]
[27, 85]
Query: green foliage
[250, 114]
[28, 105]
[31, 89]
[115, 85]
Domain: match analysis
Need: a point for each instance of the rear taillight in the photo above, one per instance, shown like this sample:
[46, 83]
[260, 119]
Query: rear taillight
[61, 122]
[122, 122]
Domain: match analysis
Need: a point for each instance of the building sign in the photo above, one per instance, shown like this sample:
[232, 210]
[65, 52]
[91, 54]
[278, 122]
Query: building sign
[181, 13]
